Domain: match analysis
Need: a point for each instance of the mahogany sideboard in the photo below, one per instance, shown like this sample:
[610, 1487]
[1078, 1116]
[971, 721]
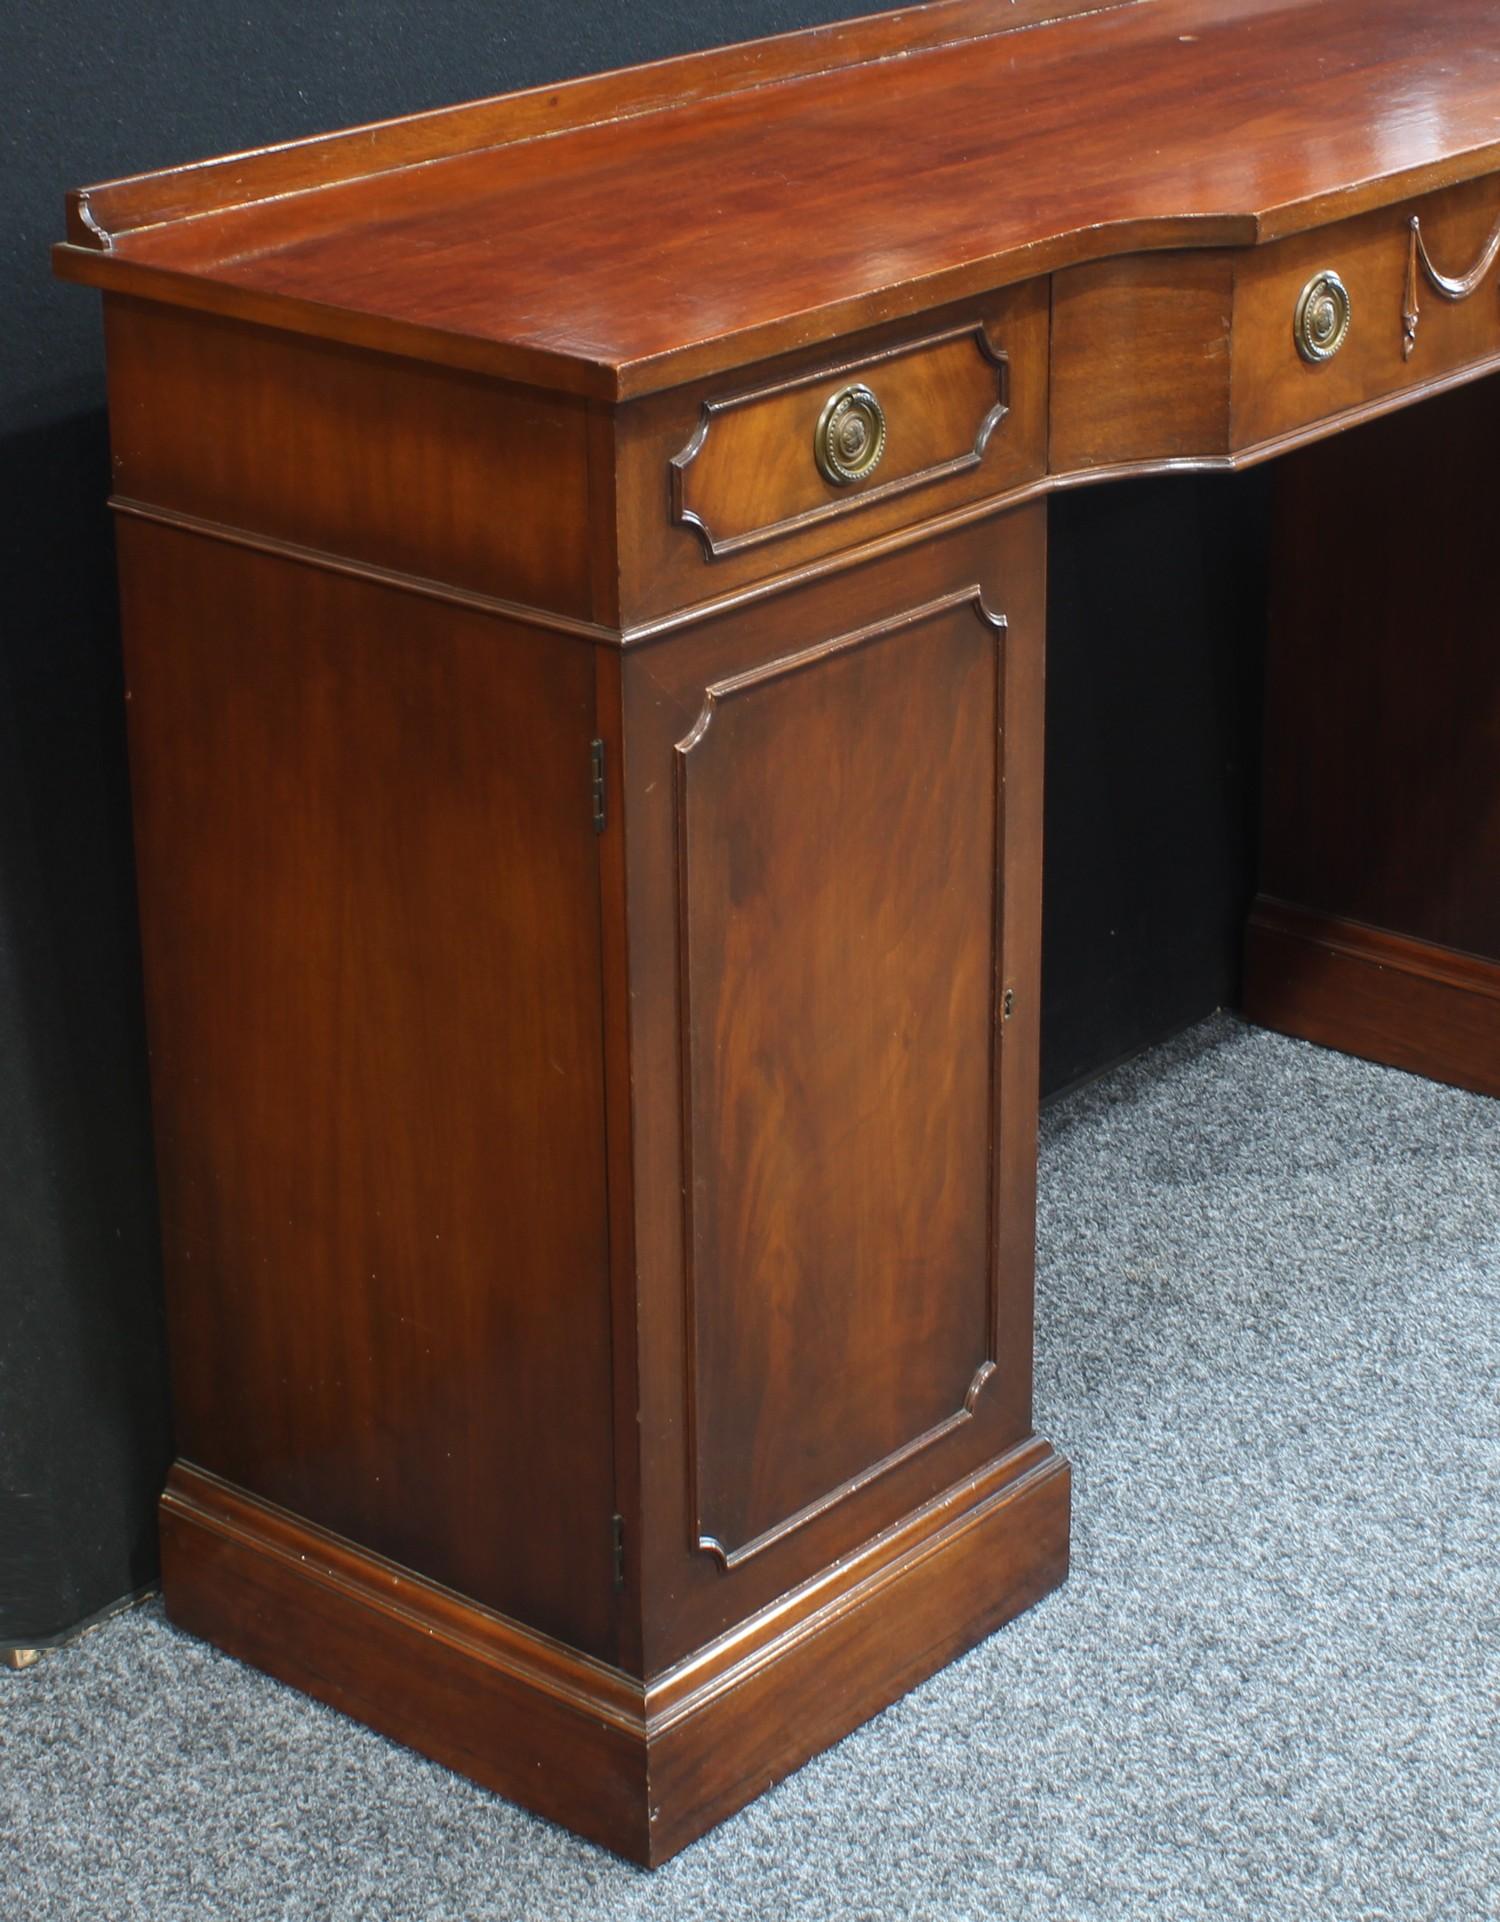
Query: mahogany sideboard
[582, 560]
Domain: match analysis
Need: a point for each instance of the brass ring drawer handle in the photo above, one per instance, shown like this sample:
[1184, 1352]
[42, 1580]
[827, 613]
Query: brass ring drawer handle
[850, 436]
[1323, 316]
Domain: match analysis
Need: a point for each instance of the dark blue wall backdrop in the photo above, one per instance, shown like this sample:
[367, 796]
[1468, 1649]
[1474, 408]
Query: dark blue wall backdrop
[1153, 680]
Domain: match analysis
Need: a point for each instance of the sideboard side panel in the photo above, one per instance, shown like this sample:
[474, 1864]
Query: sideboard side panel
[373, 459]
[370, 917]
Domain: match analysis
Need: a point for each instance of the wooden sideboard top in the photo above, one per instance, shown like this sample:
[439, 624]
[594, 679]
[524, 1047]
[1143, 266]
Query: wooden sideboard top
[615, 236]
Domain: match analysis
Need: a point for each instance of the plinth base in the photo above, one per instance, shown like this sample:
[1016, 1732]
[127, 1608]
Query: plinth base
[1366, 991]
[643, 1768]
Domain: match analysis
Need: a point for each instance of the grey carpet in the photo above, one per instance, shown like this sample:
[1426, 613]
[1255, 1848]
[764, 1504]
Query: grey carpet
[1269, 1341]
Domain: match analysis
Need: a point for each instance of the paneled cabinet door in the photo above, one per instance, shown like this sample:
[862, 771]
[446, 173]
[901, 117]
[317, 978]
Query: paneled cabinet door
[838, 792]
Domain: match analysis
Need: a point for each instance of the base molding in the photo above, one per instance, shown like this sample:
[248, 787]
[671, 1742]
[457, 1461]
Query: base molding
[1366, 991]
[641, 1767]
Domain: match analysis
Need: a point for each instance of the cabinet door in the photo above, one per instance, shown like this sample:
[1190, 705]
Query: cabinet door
[833, 871]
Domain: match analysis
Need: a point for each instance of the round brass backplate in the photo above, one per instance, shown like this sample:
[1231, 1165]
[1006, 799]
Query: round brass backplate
[850, 436]
[1323, 315]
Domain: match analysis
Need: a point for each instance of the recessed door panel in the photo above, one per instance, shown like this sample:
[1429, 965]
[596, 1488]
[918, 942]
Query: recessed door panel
[837, 820]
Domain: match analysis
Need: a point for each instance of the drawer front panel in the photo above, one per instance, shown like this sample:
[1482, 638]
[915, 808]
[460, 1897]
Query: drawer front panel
[1405, 329]
[721, 484]
[751, 472]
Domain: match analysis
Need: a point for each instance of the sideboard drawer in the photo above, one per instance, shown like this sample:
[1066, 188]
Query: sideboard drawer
[755, 474]
[1393, 302]
[784, 455]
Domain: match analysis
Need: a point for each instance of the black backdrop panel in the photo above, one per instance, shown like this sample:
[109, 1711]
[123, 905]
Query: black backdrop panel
[1148, 865]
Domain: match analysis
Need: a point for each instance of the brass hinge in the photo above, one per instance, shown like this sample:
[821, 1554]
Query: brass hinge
[596, 769]
[617, 1547]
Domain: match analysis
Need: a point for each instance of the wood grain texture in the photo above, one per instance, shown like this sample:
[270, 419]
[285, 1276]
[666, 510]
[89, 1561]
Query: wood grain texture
[965, 1565]
[370, 922]
[101, 216]
[818, 1088]
[1141, 361]
[353, 804]
[1378, 930]
[755, 470]
[1276, 391]
[1382, 732]
[421, 470]
[551, 511]
[919, 180]
[838, 1114]
[1368, 992]
[750, 473]
[590, 867]
[539, 1722]
[640, 1768]
[1185, 359]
